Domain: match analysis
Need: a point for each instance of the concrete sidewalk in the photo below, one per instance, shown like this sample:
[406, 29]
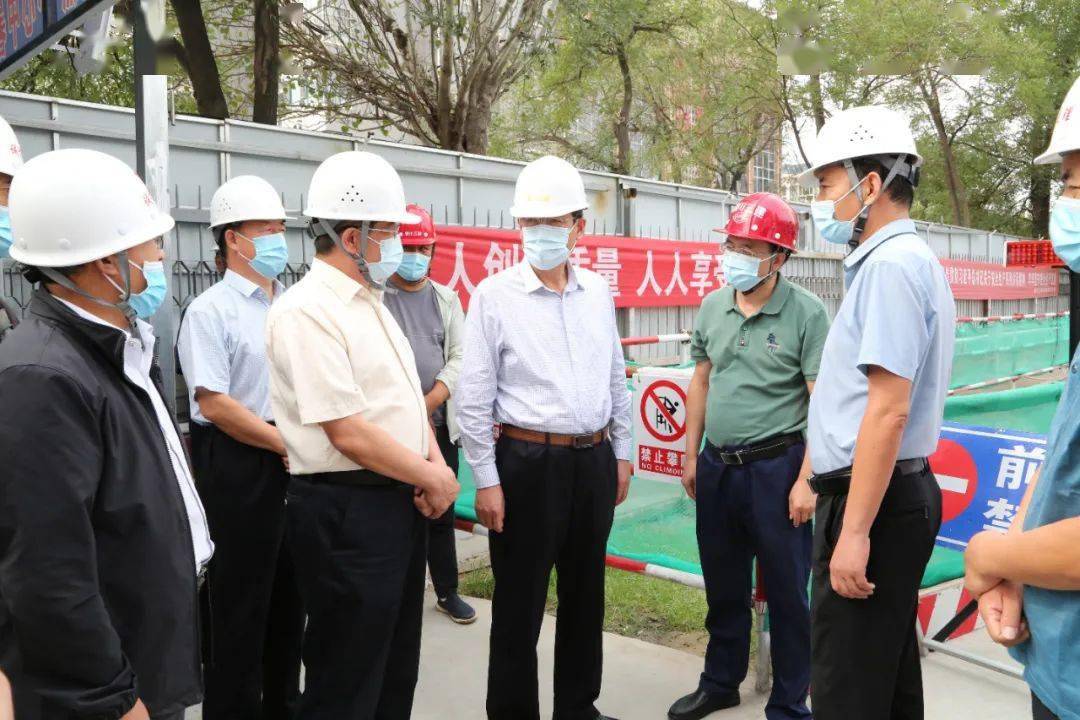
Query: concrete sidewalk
[642, 680]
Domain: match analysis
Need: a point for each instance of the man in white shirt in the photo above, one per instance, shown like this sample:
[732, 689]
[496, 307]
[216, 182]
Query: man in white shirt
[366, 467]
[252, 610]
[543, 360]
[102, 535]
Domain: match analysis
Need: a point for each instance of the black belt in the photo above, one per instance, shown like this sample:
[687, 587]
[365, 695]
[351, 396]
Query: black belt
[353, 478]
[838, 482]
[764, 450]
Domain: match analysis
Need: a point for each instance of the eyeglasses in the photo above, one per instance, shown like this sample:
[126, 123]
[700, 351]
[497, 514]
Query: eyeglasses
[728, 247]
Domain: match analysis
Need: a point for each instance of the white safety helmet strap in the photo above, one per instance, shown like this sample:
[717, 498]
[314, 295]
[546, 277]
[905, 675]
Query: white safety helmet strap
[122, 304]
[897, 165]
[319, 226]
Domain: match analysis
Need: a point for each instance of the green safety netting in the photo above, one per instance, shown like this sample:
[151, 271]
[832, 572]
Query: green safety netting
[986, 351]
[1028, 409]
[656, 523]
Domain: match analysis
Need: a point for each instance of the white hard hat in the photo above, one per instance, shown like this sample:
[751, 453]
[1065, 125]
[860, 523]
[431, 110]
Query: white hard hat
[860, 132]
[1066, 137]
[245, 197]
[548, 187]
[10, 150]
[358, 186]
[69, 207]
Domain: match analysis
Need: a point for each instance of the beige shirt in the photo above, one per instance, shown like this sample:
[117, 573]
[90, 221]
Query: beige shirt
[336, 351]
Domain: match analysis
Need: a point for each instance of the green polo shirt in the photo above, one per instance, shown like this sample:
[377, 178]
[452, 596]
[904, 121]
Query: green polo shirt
[760, 364]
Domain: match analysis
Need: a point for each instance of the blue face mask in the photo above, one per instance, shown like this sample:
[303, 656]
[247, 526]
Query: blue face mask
[5, 232]
[414, 266]
[1065, 231]
[147, 302]
[741, 270]
[838, 232]
[545, 245]
[390, 254]
[271, 254]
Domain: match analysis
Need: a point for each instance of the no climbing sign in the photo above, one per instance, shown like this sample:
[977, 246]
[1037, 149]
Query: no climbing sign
[663, 410]
[660, 423]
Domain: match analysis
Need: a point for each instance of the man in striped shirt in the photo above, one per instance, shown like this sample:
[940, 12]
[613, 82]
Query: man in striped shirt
[543, 361]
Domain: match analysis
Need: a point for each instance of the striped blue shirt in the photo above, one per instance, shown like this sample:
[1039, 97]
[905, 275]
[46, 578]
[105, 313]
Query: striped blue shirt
[541, 361]
[222, 344]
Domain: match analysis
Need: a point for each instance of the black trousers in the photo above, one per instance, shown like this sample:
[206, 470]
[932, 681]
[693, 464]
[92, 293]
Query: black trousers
[442, 547]
[360, 559]
[253, 617]
[865, 653]
[560, 504]
[1040, 711]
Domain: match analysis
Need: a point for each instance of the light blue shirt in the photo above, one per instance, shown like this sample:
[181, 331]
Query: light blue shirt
[222, 344]
[541, 361]
[1052, 656]
[898, 314]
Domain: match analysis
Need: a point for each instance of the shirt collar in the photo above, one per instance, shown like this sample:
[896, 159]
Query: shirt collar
[776, 300]
[533, 283]
[146, 330]
[896, 227]
[245, 287]
[338, 282]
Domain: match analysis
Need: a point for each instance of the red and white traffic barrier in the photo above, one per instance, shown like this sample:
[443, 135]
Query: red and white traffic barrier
[615, 561]
[655, 339]
[1009, 318]
[940, 604]
[999, 381]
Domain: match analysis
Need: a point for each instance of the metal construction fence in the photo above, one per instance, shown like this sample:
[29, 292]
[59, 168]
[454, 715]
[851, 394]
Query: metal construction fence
[459, 189]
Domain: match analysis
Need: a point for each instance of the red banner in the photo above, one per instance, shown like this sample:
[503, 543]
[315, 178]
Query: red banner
[641, 272]
[986, 281]
[644, 272]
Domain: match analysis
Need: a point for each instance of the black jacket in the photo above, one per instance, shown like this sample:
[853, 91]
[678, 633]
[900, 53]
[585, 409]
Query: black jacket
[97, 572]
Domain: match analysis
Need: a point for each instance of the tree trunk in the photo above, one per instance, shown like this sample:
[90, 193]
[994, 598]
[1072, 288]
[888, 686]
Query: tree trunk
[817, 101]
[1040, 180]
[205, 80]
[622, 124]
[444, 80]
[953, 182]
[474, 136]
[267, 62]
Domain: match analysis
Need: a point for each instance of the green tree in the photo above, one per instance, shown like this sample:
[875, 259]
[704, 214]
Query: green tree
[725, 101]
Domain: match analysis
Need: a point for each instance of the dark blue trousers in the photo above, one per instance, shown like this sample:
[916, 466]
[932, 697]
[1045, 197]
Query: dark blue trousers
[742, 512]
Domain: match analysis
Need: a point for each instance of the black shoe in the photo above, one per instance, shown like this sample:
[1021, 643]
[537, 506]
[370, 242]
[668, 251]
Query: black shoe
[699, 703]
[458, 610]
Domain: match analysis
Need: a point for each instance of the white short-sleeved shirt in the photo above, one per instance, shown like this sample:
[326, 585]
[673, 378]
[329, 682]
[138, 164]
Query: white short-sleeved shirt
[222, 344]
[336, 351]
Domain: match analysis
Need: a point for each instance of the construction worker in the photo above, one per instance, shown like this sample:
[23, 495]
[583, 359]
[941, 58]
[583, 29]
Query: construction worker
[10, 160]
[102, 535]
[1026, 580]
[543, 360]
[431, 317]
[875, 416]
[366, 468]
[254, 615]
[757, 344]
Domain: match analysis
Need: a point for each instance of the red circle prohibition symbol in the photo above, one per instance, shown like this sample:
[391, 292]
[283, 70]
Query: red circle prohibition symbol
[663, 411]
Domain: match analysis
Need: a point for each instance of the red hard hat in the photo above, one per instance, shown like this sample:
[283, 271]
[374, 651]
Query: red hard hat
[764, 216]
[421, 233]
